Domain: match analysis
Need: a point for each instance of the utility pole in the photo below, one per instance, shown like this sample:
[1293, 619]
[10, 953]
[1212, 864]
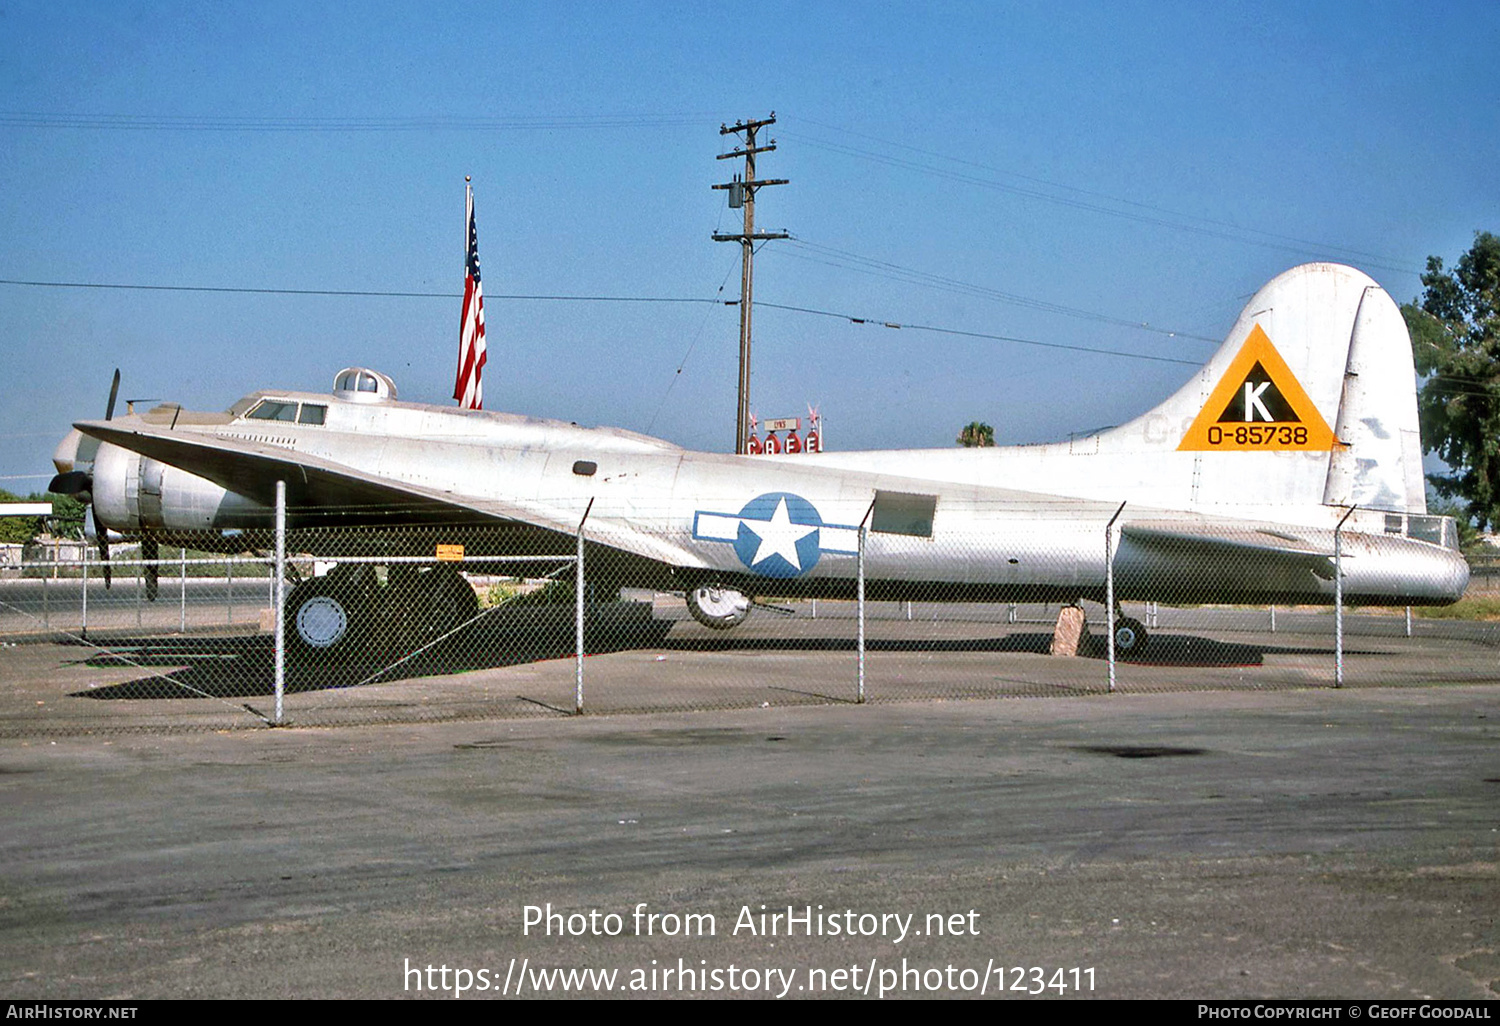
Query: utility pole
[742, 195]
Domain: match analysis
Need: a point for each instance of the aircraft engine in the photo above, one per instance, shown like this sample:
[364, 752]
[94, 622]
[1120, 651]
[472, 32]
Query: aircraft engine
[134, 493]
[718, 607]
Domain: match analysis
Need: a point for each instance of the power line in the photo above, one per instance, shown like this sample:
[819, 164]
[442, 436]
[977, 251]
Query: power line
[597, 299]
[896, 272]
[1148, 214]
[1104, 196]
[425, 122]
[697, 335]
[358, 293]
[876, 322]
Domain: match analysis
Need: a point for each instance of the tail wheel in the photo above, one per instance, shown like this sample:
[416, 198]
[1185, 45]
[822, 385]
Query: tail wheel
[1130, 636]
[718, 607]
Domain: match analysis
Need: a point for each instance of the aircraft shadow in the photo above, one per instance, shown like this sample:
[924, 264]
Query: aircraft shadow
[244, 667]
[1160, 650]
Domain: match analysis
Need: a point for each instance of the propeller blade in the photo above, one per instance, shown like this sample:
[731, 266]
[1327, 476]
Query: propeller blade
[74, 482]
[114, 393]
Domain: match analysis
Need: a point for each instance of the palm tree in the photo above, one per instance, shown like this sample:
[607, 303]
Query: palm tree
[976, 435]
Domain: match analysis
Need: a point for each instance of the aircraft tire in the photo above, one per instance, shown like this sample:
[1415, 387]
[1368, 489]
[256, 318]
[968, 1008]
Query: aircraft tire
[324, 620]
[1130, 636]
[718, 607]
[449, 600]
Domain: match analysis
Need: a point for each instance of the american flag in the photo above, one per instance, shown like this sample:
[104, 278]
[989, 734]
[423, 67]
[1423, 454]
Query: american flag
[468, 389]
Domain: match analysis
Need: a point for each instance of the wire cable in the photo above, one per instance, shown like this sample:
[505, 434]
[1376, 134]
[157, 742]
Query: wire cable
[981, 335]
[896, 272]
[610, 299]
[356, 293]
[423, 122]
[1148, 215]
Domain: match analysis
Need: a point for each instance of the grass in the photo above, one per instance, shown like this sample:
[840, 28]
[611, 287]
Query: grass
[1484, 607]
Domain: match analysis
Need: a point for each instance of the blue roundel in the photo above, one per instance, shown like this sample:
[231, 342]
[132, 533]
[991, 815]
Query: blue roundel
[778, 535]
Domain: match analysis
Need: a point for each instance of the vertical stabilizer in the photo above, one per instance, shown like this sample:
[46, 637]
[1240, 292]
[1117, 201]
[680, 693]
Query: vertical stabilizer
[1379, 465]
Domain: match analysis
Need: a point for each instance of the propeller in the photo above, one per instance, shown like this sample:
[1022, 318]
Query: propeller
[80, 484]
[114, 393]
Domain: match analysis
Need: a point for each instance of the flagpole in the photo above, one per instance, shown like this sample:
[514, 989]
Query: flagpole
[468, 387]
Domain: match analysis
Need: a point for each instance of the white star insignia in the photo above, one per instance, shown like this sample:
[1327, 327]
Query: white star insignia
[779, 536]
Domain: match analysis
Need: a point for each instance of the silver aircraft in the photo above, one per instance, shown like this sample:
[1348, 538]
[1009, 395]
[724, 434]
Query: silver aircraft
[1229, 491]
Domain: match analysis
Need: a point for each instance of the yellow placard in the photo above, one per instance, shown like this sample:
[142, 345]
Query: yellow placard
[450, 553]
[1258, 406]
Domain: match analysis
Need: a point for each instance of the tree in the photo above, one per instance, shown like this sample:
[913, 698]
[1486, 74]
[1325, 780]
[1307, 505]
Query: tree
[22, 529]
[1455, 337]
[976, 434]
[17, 529]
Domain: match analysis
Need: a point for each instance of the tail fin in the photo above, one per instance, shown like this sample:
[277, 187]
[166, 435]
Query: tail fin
[1311, 400]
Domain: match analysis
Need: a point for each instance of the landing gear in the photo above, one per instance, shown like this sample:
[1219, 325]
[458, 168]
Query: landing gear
[327, 616]
[1130, 635]
[718, 607]
[349, 613]
[150, 550]
[440, 601]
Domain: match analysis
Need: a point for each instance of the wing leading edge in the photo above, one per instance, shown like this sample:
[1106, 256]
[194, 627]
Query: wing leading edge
[337, 491]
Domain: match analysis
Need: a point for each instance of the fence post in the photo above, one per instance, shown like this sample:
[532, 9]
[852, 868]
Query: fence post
[278, 600]
[229, 589]
[859, 602]
[859, 614]
[1338, 600]
[578, 617]
[85, 549]
[1109, 589]
[182, 616]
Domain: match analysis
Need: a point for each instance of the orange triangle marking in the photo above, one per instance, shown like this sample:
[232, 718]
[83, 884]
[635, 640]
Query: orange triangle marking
[1258, 406]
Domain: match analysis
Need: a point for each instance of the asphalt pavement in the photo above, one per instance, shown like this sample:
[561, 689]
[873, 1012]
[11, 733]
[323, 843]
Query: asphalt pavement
[1281, 843]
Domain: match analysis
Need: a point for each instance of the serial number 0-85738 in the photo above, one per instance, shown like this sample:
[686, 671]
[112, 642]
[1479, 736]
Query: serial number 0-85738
[1258, 434]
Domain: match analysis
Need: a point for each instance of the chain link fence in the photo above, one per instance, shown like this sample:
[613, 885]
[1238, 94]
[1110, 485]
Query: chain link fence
[470, 621]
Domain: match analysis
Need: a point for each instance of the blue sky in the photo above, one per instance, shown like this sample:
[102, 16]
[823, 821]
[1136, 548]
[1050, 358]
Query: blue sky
[1142, 162]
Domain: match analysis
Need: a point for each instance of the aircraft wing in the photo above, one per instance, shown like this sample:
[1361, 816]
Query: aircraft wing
[252, 469]
[1216, 542]
[346, 495]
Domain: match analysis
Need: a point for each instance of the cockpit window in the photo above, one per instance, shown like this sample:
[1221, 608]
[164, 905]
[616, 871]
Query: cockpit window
[367, 383]
[274, 409]
[287, 411]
